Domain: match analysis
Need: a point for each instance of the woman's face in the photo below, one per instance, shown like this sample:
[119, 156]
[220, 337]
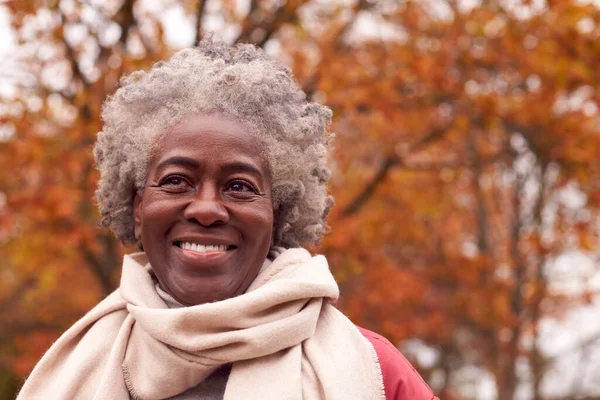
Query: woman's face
[205, 218]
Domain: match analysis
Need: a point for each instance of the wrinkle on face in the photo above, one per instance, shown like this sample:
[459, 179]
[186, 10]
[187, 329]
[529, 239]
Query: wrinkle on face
[207, 180]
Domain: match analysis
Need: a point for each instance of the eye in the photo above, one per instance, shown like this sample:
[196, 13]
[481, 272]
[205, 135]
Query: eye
[241, 187]
[173, 182]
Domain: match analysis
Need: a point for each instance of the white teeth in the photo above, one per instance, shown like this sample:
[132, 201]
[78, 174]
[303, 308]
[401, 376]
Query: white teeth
[199, 248]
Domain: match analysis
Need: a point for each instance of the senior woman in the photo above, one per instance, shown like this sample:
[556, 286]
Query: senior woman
[214, 164]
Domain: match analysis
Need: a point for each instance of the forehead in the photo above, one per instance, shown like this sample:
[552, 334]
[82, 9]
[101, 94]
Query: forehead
[210, 138]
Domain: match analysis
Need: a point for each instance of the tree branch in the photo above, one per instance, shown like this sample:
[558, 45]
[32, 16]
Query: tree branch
[103, 268]
[361, 5]
[125, 19]
[537, 360]
[249, 23]
[312, 83]
[72, 58]
[483, 240]
[368, 191]
[385, 166]
[259, 29]
[199, 17]
[507, 378]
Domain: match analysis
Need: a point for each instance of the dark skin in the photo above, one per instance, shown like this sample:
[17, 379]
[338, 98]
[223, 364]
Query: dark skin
[205, 218]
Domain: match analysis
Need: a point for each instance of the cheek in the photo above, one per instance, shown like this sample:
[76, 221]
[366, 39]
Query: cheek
[264, 219]
[258, 223]
[155, 215]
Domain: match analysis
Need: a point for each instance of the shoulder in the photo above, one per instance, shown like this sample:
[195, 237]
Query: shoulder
[400, 378]
[85, 346]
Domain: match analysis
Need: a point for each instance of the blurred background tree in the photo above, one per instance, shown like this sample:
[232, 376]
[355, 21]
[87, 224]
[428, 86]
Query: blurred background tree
[466, 172]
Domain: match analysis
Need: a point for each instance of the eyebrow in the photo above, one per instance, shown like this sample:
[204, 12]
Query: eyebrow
[242, 167]
[193, 163]
[178, 160]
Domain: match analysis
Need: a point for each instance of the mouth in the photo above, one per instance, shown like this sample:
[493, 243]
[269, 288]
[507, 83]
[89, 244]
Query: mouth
[201, 248]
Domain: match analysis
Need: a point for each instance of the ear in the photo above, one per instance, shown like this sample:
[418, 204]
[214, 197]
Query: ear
[137, 216]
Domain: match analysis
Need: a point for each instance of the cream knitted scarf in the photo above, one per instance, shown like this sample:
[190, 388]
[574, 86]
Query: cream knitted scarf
[284, 338]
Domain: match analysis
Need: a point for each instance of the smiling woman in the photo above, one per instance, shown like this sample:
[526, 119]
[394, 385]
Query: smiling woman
[214, 164]
[206, 215]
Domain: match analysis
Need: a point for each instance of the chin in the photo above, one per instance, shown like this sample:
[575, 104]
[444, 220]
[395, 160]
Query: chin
[192, 295]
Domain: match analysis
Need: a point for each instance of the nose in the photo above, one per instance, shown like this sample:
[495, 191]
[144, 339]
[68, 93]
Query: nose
[206, 208]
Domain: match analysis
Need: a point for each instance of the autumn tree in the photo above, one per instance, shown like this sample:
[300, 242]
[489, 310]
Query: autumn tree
[459, 135]
[461, 132]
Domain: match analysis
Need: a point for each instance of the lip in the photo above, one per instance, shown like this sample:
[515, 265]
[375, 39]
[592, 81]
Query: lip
[212, 259]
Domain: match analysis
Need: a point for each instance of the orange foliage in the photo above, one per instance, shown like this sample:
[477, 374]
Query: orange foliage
[457, 132]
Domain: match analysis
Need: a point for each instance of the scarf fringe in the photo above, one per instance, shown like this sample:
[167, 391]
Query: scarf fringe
[379, 374]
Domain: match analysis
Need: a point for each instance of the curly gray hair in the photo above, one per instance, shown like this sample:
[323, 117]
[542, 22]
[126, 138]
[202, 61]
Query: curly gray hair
[243, 83]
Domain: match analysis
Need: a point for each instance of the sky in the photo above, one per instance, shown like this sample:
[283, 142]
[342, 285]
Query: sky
[7, 39]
